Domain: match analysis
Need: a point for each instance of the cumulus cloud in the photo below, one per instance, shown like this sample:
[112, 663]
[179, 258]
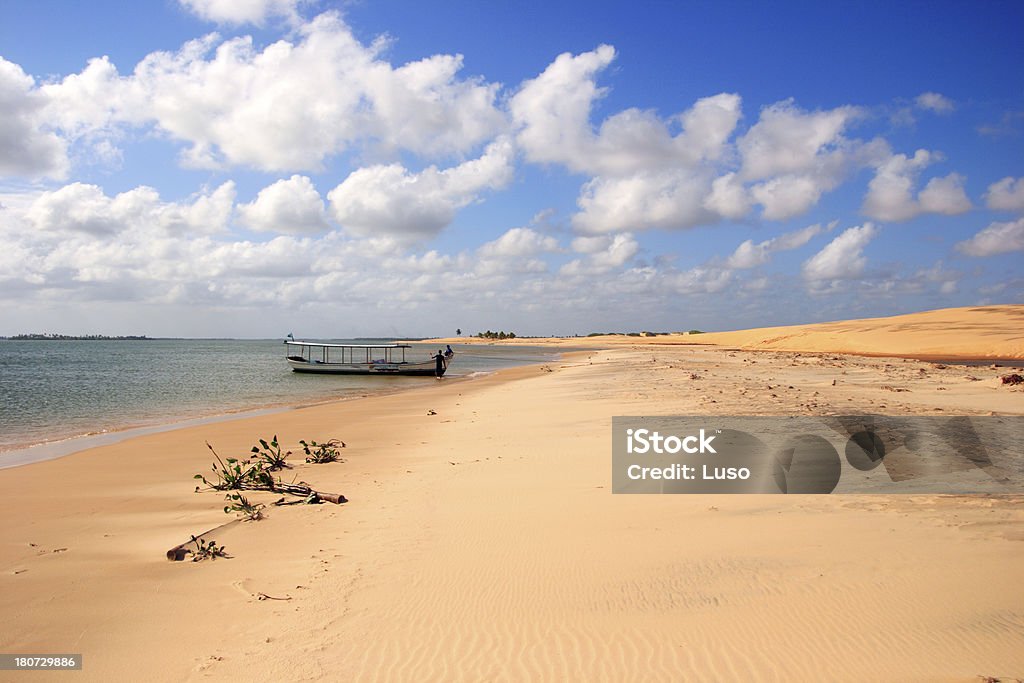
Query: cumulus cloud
[27, 149]
[288, 206]
[85, 209]
[787, 140]
[519, 242]
[798, 156]
[1006, 195]
[890, 194]
[935, 102]
[843, 258]
[728, 197]
[649, 172]
[391, 201]
[997, 238]
[699, 280]
[289, 106]
[552, 114]
[670, 199]
[750, 255]
[237, 12]
[616, 251]
[787, 196]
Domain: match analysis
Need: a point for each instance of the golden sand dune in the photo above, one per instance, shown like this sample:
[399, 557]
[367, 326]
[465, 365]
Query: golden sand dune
[977, 332]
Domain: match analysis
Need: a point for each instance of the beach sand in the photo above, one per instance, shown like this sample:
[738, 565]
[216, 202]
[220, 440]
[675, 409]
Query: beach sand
[481, 540]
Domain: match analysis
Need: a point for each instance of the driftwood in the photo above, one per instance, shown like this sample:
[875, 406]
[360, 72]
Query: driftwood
[305, 491]
[180, 552]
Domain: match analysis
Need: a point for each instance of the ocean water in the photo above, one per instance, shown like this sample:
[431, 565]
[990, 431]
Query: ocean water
[56, 390]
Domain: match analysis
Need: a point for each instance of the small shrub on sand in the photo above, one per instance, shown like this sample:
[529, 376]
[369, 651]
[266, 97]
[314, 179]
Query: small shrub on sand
[207, 550]
[320, 453]
[251, 512]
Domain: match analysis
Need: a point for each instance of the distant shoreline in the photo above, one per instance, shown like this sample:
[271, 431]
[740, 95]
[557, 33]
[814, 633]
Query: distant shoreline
[75, 337]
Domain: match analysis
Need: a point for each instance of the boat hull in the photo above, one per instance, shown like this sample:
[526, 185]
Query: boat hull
[397, 369]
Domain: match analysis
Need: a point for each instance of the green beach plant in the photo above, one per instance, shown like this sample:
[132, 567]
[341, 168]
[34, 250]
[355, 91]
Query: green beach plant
[231, 474]
[270, 456]
[207, 550]
[251, 512]
[320, 453]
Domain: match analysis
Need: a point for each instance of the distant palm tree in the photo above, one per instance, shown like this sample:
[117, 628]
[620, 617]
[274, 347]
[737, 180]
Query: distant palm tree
[458, 332]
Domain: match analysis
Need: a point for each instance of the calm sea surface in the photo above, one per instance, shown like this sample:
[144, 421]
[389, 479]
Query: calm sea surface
[56, 390]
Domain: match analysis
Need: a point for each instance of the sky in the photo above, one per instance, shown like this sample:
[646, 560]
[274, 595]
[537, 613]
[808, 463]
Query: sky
[250, 168]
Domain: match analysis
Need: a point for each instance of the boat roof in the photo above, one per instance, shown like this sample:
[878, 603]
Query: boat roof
[350, 346]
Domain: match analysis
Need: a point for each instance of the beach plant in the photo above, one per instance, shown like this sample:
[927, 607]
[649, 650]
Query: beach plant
[207, 550]
[270, 456]
[231, 474]
[251, 512]
[319, 453]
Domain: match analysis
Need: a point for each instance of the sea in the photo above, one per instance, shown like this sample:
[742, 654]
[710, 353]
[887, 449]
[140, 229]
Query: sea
[59, 391]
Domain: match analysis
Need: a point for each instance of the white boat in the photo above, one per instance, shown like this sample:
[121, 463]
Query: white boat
[361, 359]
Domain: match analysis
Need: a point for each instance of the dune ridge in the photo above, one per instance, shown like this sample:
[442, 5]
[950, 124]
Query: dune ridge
[971, 333]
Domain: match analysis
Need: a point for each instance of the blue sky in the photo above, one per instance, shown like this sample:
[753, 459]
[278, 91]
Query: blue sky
[215, 168]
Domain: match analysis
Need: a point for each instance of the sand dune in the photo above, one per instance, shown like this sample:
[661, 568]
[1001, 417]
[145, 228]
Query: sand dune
[481, 542]
[976, 332]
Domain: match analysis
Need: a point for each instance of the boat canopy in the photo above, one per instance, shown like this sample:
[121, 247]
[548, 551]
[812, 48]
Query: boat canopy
[350, 346]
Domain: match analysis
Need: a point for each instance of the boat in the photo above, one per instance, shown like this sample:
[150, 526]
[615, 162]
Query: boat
[360, 359]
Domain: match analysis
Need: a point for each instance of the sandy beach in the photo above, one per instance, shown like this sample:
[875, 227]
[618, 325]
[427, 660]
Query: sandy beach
[481, 540]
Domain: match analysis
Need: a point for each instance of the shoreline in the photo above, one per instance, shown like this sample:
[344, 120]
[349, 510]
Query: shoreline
[105, 429]
[19, 456]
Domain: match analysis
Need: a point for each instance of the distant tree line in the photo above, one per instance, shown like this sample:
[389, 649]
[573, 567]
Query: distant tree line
[496, 335]
[73, 337]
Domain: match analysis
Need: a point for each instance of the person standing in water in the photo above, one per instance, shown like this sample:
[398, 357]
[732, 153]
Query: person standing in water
[438, 364]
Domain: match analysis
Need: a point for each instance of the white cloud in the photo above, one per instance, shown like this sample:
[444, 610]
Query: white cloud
[787, 196]
[798, 156]
[750, 255]
[288, 206]
[553, 110]
[670, 199]
[26, 148]
[207, 213]
[700, 280]
[591, 245]
[290, 106]
[787, 140]
[237, 12]
[616, 252]
[519, 242]
[390, 201]
[890, 194]
[728, 197]
[997, 238]
[1006, 195]
[85, 209]
[945, 196]
[552, 113]
[935, 102]
[843, 257]
[93, 101]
